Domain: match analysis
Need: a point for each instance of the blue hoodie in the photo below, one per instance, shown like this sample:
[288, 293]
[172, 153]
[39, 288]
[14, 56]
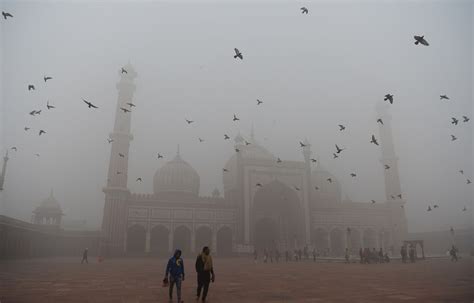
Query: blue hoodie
[175, 266]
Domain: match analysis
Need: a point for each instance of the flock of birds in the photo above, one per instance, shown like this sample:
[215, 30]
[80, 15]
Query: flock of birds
[238, 55]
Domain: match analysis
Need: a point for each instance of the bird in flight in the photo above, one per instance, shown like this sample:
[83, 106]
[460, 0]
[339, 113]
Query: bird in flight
[279, 160]
[226, 137]
[420, 40]
[461, 171]
[259, 102]
[399, 196]
[119, 173]
[33, 112]
[124, 71]
[304, 10]
[353, 175]
[302, 144]
[387, 166]
[37, 155]
[247, 142]
[392, 196]
[454, 121]
[373, 201]
[49, 106]
[225, 170]
[341, 127]
[237, 150]
[31, 87]
[125, 110]
[329, 180]
[121, 155]
[334, 155]
[139, 179]
[389, 98]
[235, 118]
[259, 184]
[435, 206]
[38, 112]
[296, 188]
[465, 118]
[313, 160]
[339, 150]
[453, 138]
[429, 208]
[441, 97]
[46, 78]
[374, 140]
[41, 132]
[14, 148]
[89, 104]
[379, 120]
[110, 140]
[189, 121]
[160, 156]
[238, 54]
[464, 208]
[26, 128]
[316, 188]
[468, 181]
[201, 140]
[5, 15]
[130, 104]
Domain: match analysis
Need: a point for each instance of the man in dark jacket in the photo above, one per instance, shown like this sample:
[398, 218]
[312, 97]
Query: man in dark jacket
[84, 256]
[205, 272]
[175, 272]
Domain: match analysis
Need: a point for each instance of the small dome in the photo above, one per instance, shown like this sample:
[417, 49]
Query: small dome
[50, 203]
[176, 176]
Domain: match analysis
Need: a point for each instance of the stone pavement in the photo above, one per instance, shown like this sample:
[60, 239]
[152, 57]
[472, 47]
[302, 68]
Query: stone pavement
[237, 280]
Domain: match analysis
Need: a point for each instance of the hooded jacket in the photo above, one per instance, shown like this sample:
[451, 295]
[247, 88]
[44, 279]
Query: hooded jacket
[175, 266]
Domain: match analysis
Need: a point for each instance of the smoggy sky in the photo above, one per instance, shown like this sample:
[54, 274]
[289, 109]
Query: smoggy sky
[312, 71]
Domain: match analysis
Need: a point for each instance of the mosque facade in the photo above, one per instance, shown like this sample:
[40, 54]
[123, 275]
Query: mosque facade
[266, 203]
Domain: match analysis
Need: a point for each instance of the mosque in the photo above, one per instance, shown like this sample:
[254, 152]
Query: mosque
[266, 203]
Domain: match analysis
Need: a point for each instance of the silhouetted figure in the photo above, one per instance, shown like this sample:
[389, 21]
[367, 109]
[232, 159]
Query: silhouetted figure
[314, 254]
[175, 274]
[386, 258]
[361, 255]
[255, 256]
[373, 255]
[403, 253]
[84, 256]
[305, 252]
[287, 256]
[411, 253]
[270, 253]
[265, 255]
[205, 272]
[300, 254]
[453, 252]
[381, 258]
[346, 255]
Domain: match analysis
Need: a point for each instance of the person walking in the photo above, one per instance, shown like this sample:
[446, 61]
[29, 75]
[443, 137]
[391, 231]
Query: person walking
[175, 274]
[205, 273]
[84, 256]
[454, 254]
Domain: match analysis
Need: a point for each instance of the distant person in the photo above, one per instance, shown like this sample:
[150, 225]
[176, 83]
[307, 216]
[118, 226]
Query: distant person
[300, 254]
[361, 255]
[411, 253]
[373, 255]
[265, 255]
[271, 255]
[305, 252]
[84, 256]
[205, 273]
[381, 257]
[386, 258]
[403, 253]
[453, 252]
[287, 255]
[175, 274]
[346, 255]
[314, 254]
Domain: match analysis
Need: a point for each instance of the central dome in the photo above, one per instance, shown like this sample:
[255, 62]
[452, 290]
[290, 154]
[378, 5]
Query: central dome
[176, 176]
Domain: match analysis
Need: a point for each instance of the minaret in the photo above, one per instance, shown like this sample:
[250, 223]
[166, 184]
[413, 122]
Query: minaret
[391, 175]
[307, 161]
[4, 170]
[116, 191]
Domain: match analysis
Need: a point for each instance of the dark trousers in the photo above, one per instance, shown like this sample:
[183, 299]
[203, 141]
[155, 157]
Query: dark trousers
[203, 280]
[84, 259]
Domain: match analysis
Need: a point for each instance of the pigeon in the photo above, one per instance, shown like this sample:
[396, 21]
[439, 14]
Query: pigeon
[341, 127]
[316, 188]
[399, 196]
[279, 160]
[374, 140]
[420, 40]
[26, 128]
[247, 142]
[339, 150]
[435, 206]
[259, 102]
[373, 201]
[296, 188]
[429, 208]
[31, 87]
[37, 155]
[379, 121]
[189, 121]
[392, 196]
[49, 106]
[14, 148]
[389, 98]
[302, 144]
[121, 155]
[110, 140]
[235, 118]
[238, 54]
[201, 140]
[226, 137]
[237, 150]
[453, 138]
[46, 78]
[131, 104]
[41, 132]
[441, 97]
[454, 121]
[329, 180]
[5, 15]
[33, 112]
[160, 156]
[119, 173]
[468, 181]
[313, 160]
[89, 104]
[465, 118]
[125, 110]
[387, 166]
[124, 71]
[139, 180]
[304, 10]
[259, 184]
[464, 208]
[334, 155]
[38, 112]
[461, 171]
[225, 170]
[353, 175]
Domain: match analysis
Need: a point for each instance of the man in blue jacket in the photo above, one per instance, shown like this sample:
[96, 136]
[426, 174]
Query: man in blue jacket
[175, 272]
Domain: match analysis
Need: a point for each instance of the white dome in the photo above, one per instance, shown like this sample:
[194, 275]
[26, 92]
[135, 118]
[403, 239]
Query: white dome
[176, 176]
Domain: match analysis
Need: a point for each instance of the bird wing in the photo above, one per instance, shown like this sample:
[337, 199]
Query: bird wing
[236, 51]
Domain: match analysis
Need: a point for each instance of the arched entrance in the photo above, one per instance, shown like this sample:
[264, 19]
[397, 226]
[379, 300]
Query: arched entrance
[136, 237]
[224, 241]
[369, 238]
[182, 240]
[320, 239]
[277, 218]
[203, 238]
[337, 242]
[159, 240]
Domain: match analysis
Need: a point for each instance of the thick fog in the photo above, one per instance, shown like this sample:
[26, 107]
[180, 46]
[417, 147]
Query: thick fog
[312, 72]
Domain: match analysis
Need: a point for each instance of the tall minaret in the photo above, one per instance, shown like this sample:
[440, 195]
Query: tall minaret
[116, 191]
[4, 170]
[391, 175]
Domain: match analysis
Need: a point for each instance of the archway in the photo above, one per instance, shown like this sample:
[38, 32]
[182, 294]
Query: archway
[203, 238]
[369, 238]
[277, 218]
[159, 240]
[182, 240]
[224, 241]
[136, 238]
[337, 242]
[320, 239]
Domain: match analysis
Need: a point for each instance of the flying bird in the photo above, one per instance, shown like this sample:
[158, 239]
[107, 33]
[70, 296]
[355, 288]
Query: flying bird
[435, 206]
[46, 78]
[334, 155]
[131, 104]
[238, 54]
[89, 104]
[353, 175]
[226, 137]
[461, 171]
[37, 155]
[41, 132]
[259, 102]
[373, 201]
[380, 121]
[33, 112]
[329, 180]
[302, 144]
[392, 196]
[279, 160]
[429, 208]
[465, 118]
[38, 112]
[31, 87]
[5, 15]
[389, 98]
[387, 166]
[374, 140]
[454, 121]
[225, 170]
[304, 10]
[110, 140]
[441, 97]
[235, 118]
[453, 138]
[296, 188]
[201, 140]
[464, 208]
[468, 181]
[160, 156]
[339, 150]
[139, 180]
[121, 155]
[124, 71]
[26, 128]
[313, 160]
[189, 121]
[49, 106]
[420, 40]
[259, 184]
[341, 127]
[316, 188]
[119, 173]
[247, 142]
[237, 150]
[125, 110]
[399, 196]
[14, 148]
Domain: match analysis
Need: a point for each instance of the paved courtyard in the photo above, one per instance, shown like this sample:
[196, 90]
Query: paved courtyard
[237, 280]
